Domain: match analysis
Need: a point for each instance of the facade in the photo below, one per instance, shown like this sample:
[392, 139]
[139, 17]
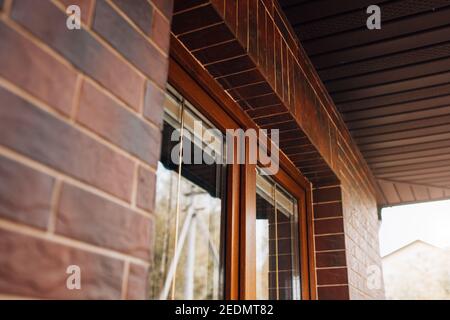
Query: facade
[85, 122]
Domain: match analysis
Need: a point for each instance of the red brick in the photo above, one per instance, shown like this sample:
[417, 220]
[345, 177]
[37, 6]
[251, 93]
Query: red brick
[334, 225]
[139, 11]
[242, 31]
[186, 4]
[34, 70]
[44, 20]
[86, 7]
[231, 15]
[253, 29]
[132, 45]
[327, 210]
[102, 114]
[25, 194]
[137, 283]
[154, 104]
[330, 242]
[56, 144]
[96, 220]
[331, 259]
[206, 37]
[327, 194]
[146, 189]
[37, 268]
[161, 31]
[333, 293]
[197, 18]
[165, 6]
[332, 276]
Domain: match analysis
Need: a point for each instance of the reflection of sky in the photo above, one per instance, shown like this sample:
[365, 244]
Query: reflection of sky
[401, 225]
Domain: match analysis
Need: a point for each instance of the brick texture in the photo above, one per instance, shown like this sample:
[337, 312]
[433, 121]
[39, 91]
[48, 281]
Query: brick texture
[29, 68]
[146, 189]
[135, 47]
[80, 120]
[25, 194]
[36, 268]
[108, 118]
[48, 140]
[83, 50]
[137, 289]
[92, 219]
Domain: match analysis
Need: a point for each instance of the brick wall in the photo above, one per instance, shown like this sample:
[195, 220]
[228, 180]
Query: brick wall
[80, 115]
[80, 119]
[249, 48]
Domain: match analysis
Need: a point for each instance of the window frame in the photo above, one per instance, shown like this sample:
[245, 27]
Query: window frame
[198, 87]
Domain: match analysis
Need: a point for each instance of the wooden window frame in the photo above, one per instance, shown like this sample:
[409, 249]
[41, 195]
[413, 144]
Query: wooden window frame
[200, 89]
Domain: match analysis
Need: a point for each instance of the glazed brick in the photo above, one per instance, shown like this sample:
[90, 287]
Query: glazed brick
[330, 242]
[332, 276]
[242, 31]
[181, 5]
[86, 7]
[165, 6]
[98, 221]
[47, 22]
[139, 11]
[206, 37]
[36, 268]
[218, 52]
[132, 45]
[161, 31]
[227, 67]
[333, 293]
[197, 18]
[253, 29]
[231, 15]
[262, 40]
[334, 225]
[154, 104]
[327, 210]
[241, 79]
[327, 194]
[331, 259]
[46, 139]
[25, 194]
[103, 115]
[146, 189]
[137, 282]
[34, 70]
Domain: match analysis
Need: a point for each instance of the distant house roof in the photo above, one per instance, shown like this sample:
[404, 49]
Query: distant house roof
[411, 244]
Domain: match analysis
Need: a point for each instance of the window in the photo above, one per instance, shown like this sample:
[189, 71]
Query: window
[224, 231]
[190, 206]
[277, 251]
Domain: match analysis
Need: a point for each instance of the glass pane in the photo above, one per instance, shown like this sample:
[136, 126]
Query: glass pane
[277, 258]
[187, 258]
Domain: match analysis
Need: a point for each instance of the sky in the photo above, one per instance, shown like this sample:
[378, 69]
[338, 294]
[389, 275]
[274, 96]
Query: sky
[429, 222]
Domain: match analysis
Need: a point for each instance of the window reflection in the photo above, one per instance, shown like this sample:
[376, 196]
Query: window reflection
[277, 253]
[187, 259]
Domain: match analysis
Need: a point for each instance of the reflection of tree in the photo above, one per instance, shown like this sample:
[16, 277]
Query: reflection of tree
[198, 206]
